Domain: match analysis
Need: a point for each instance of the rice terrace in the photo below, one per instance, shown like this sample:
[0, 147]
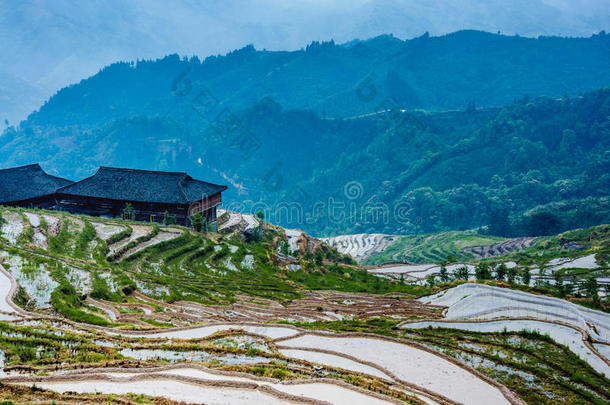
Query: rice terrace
[99, 310]
[304, 202]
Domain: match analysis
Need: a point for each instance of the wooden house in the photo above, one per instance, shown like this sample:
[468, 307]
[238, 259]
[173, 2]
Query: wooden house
[149, 193]
[29, 186]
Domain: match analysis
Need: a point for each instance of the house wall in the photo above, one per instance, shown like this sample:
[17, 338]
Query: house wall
[45, 202]
[144, 212]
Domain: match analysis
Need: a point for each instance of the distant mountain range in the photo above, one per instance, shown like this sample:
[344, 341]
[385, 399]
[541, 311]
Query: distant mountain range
[49, 45]
[440, 132]
[434, 73]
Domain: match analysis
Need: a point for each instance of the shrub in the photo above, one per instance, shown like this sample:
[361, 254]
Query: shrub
[155, 231]
[278, 373]
[59, 243]
[84, 238]
[99, 288]
[26, 236]
[501, 271]
[66, 301]
[461, 273]
[526, 276]
[26, 353]
[126, 233]
[482, 271]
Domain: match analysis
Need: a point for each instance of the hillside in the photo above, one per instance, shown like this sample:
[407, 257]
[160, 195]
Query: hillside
[425, 144]
[433, 73]
[80, 39]
[532, 168]
[97, 310]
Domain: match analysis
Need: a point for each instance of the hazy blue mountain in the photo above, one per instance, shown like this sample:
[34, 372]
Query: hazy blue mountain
[433, 73]
[50, 45]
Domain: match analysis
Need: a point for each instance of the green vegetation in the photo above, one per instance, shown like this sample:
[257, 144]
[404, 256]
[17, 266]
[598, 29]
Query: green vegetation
[433, 248]
[86, 236]
[125, 248]
[125, 233]
[100, 289]
[351, 280]
[66, 301]
[27, 236]
[59, 244]
[190, 267]
[55, 347]
[594, 240]
[214, 270]
[40, 346]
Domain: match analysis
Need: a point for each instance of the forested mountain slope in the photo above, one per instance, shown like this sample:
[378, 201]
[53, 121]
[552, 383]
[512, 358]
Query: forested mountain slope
[426, 72]
[551, 152]
[426, 171]
[362, 128]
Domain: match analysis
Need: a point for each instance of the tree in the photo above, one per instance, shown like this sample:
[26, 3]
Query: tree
[166, 218]
[543, 223]
[431, 280]
[482, 271]
[197, 221]
[259, 229]
[591, 287]
[569, 288]
[443, 274]
[461, 273]
[501, 271]
[498, 222]
[568, 142]
[526, 276]
[511, 274]
[319, 257]
[559, 285]
[129, 212]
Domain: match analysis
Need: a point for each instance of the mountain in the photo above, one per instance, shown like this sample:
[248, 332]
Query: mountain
[433, 73]
[391, 146]
[543, 163]
[49, 45]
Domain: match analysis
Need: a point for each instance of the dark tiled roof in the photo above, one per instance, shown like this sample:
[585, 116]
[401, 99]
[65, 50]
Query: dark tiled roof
[26, 182]
[142, 186]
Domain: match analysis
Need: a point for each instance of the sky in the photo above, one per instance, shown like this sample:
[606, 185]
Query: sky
[47, 45]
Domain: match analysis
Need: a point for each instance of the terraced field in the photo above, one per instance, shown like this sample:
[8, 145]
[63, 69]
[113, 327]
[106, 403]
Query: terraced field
[430, 248]
[361, 246]
[500, 248]
[108, 311]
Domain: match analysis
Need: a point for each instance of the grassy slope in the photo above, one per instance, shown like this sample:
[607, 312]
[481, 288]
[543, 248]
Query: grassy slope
[203, 268]
[199, 268]
[432, 248]
[595, 239]
[437, 247]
